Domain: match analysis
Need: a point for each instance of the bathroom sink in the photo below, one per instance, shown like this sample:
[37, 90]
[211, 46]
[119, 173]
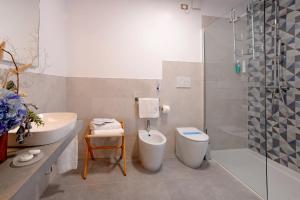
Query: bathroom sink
[57, 126]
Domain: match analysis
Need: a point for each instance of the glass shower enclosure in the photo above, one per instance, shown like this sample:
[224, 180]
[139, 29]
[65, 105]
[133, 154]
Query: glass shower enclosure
[252, 93]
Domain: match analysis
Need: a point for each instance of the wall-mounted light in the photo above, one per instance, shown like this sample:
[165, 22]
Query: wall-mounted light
[184, 6]
[188, 5]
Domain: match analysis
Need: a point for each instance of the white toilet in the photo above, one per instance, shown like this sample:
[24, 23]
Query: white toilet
[191, 146]
[151, 147]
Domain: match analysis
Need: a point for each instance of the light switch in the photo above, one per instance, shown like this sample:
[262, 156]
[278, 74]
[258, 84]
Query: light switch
[183, 82]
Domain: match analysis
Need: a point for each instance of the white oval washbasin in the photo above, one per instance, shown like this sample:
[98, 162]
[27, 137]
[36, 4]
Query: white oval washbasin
[56, 126]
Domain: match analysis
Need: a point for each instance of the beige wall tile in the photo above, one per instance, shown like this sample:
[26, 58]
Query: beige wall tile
[97, 97]
[45, 91]
[225, 91]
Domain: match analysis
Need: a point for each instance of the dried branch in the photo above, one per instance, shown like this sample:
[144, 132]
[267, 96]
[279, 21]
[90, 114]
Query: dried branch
[18, 69]
[2, 46]
[6, 79]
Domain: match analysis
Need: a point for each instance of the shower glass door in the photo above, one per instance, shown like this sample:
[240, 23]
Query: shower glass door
[282, 28]
[252, 70]
[235, 83]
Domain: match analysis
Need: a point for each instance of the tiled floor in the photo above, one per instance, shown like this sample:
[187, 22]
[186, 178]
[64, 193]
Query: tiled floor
[249, 167]
[174, 181]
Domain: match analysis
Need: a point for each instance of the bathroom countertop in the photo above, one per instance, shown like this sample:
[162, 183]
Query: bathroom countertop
[14, 180]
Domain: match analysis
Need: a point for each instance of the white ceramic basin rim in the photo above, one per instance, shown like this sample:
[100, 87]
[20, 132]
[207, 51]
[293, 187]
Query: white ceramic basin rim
[56, 126]
[153, 137]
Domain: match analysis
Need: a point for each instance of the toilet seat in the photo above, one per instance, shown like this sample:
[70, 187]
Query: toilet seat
[193, 134]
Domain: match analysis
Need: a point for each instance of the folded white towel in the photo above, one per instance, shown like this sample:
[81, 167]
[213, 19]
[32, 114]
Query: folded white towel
[104, 124]
[148, 107]
[108, 126]
[102, 120]
[108, 133]
[68, 160]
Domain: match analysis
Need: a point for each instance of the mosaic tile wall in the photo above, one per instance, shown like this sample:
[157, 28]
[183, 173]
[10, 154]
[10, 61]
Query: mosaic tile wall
[282, 111]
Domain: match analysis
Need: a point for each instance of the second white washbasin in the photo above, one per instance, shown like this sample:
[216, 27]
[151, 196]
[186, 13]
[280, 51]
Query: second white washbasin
[57, 126]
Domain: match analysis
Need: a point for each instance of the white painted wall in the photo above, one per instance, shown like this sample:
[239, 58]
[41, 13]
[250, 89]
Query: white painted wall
[19, 24]
[120, 38]
[53, 37]
[221, 8]
[129, 38]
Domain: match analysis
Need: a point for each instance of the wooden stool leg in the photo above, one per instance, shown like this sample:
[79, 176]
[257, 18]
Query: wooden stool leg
[88, 142]
[86, 163]
[124, 155]
[122, 144]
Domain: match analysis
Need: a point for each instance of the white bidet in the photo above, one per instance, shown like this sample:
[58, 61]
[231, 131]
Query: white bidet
[151, 149]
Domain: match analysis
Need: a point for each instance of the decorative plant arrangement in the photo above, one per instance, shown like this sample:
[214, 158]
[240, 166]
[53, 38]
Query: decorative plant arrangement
[14, 112]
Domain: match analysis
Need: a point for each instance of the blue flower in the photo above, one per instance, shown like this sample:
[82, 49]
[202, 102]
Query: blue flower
[12, 110]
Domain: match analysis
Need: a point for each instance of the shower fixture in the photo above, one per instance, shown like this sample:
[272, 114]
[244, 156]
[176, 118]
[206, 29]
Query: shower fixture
[234, 18]
[250, 10]
[239, 39]
[253, 7]
[280, 86]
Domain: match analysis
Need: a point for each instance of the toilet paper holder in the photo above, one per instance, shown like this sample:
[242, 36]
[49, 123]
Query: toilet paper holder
[136, 99]
[165, 109]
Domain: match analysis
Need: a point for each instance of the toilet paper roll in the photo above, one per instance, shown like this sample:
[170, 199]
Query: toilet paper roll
[165, 109]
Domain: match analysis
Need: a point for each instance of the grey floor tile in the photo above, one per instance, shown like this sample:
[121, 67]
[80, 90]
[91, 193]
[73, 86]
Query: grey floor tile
[221, 184]
[145, 189]
[71, 179]
[135, 172]
[103, 171]
[184, 189]
[104, 192]
[60, 192]
[174, 170]
[207, 168]
[173, 181]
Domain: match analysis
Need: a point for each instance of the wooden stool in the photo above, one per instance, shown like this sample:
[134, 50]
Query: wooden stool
[104, 133]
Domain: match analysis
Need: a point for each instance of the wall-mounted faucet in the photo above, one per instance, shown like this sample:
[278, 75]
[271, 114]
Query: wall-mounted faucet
[148, 127]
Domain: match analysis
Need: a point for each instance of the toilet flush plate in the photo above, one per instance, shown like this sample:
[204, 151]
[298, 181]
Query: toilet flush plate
[183, 82]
